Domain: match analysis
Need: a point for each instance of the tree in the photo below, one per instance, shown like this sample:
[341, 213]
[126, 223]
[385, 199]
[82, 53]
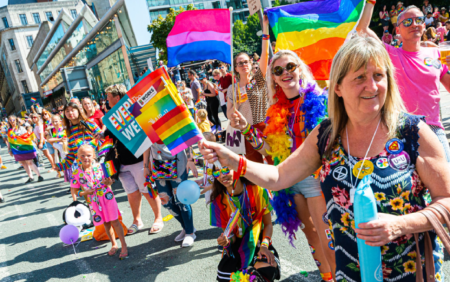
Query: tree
[244, 36]
[161, 28]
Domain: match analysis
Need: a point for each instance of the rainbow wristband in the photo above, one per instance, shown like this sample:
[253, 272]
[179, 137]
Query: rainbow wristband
[79, 195]
[265, 36]
[264, 244]
[373, 2]
[247, 129]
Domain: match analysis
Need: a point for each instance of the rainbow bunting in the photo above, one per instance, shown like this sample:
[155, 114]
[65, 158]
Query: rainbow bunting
[108, 169]
[33, 99]
[315, 30]
[106, 146]
[200, 35]
[21, 146]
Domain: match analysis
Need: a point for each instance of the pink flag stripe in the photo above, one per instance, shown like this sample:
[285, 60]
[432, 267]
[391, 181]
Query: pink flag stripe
[195, 36]
[202, 20]
[185, 145]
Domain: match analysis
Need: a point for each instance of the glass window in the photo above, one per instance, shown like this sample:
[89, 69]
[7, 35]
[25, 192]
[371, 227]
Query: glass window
[200, 6]
[216, 5]
[74, 13]
[25, 86]
[18, 66]
[49, 16]
[5, 22]
[155, 14]
[155, 3]
[177, 2]
[59, 33]
[23, 19]
[11, 43]
[30, 40]
[37, 18]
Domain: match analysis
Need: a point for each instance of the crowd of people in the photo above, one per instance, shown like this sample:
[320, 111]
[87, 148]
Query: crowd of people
[436, 20]
[382, 102]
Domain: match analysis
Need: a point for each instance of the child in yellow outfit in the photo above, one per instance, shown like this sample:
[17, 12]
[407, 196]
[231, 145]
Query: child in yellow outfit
[203, 124]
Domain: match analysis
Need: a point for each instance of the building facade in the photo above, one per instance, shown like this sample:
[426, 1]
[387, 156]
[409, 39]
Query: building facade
[240, 7]
[101, 46]
[19, 26]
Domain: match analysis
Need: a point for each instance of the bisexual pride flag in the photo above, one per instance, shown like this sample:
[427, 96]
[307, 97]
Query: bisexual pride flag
[200, 35]
[315, 30]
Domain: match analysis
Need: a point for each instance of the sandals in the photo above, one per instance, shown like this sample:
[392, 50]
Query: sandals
[112, 252]
[134, 229]
[156, 225]
[123, 256]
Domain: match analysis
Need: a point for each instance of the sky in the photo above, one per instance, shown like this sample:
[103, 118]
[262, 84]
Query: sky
[139, 15]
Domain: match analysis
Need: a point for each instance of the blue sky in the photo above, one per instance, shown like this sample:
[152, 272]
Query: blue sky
[139, 15]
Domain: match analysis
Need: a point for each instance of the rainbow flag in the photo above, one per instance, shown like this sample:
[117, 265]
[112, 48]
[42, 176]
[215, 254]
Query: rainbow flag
[200, 35]
[232, 223]
[106, 146]
[315, 30]
[220, 214]
[108, 169]
[21, 146]
[33, 100]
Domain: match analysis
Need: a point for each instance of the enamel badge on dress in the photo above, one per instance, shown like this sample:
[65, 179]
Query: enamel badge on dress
[399, 161]
[394, 146]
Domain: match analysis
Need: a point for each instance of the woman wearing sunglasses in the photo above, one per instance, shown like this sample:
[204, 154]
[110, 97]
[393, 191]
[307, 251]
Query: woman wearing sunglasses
[22, 149]
[42, 143]
[251, 91]
[297, 105]
[419, 71]
[250, 204]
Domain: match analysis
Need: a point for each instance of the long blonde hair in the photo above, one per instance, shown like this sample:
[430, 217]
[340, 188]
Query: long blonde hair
[354, 55]
[305, 72]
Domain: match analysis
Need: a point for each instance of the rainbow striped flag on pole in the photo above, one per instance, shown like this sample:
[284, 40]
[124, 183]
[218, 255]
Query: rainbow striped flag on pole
[33, 100]
[200, 35]
[315, 30]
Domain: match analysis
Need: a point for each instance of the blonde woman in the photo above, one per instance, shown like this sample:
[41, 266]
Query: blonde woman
[368, 126]
[93, 114]
[42, 143]
[292, 90]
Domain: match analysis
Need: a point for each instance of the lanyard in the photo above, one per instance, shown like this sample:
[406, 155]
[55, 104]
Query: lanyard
[243, 204]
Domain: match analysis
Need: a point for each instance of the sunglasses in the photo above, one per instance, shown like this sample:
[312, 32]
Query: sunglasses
[278, 70]
[408, 22]
[225, 171]
[243, 63]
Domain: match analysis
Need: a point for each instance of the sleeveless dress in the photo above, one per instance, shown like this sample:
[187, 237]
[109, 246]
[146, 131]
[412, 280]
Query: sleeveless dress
[398, 192]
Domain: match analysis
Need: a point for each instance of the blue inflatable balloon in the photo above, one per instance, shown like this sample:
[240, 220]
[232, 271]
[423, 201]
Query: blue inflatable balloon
[365, 209]
[188, 192]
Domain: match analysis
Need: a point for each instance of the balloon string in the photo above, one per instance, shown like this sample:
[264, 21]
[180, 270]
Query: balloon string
[73, 246]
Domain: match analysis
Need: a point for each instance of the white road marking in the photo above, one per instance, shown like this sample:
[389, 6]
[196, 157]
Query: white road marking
[81, 264]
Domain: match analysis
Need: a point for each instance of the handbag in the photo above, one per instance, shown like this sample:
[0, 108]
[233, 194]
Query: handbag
[164, 169]
[431, 214]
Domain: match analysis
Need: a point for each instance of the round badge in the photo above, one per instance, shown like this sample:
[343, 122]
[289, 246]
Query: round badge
[363, 168]
[81, 175]
[331, 245]
[109, 196]
[97, 218]
[75, 172]
[312, 249]
[317, 263]
[399, 161]
[209, 171]
[394, 146]
[99, 193]
[382, 163]
[325, 218]
[82, 181]
[340, 173]
[428, 61]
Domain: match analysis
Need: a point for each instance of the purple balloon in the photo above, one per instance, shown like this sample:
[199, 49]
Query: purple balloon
[69, 234]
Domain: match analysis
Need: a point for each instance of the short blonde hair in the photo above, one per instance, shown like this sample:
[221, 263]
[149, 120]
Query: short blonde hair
[202, 114]
[352, 56]
[117, 89]
[216, 72]
[305, 72]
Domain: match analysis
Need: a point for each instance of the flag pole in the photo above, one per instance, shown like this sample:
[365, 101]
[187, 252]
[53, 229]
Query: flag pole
[232, 64]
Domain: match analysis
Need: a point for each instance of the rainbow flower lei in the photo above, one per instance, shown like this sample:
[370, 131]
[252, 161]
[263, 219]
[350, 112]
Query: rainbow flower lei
[314, 108]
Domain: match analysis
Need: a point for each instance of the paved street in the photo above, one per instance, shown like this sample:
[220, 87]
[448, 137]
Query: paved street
[30, 248]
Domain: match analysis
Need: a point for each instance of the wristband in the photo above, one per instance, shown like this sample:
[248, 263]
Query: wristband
[79, 195]
[269, 239]
[264, 244]
[244, 166]
[265, 36]
[373, 2]
[247, 129]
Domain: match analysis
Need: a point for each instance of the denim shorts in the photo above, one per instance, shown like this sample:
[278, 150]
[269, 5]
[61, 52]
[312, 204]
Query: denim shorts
[309, 187]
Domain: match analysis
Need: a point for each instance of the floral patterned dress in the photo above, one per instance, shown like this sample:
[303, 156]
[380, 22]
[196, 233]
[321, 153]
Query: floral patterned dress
[398, 192]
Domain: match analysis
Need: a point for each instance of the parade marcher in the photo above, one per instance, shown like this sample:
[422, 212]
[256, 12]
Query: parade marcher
[368, 127]
[88, 180]
[212, 102]
[427, 7]
[132, 173]
[22, 149]
[385, 18]
[93, 114]
[419, 71]
[251, 91]
[42, 143]
[186, 94]
[161, 160]
[225, 82]
[57, 137]
[249, 249]
[196, 88]
[292, 90]
[79, 131]
[393, 13]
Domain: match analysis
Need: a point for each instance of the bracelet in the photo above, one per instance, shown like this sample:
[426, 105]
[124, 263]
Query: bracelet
[373, 2]
[264, 244]
[79, 195]
[255, 138]
[247, 129]
[244, 166]
[268, 238]
[265, 36]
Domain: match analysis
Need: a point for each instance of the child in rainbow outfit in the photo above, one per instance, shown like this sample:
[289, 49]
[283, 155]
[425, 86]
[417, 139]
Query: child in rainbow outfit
[90, 182]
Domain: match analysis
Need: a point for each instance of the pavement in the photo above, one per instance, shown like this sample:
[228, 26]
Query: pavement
[30, 248]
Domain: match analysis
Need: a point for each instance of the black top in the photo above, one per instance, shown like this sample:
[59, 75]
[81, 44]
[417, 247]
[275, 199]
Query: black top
[125, 156]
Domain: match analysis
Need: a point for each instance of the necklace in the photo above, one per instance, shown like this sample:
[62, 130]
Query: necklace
[363, 165]
[291, 127]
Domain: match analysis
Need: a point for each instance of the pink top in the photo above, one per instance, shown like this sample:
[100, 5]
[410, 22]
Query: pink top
[387, 38]
[418, 75]
[443, 31]
[38, 130]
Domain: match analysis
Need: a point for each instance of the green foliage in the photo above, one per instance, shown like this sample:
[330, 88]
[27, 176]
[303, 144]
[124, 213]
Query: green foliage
[244, 36]
[161, 28]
